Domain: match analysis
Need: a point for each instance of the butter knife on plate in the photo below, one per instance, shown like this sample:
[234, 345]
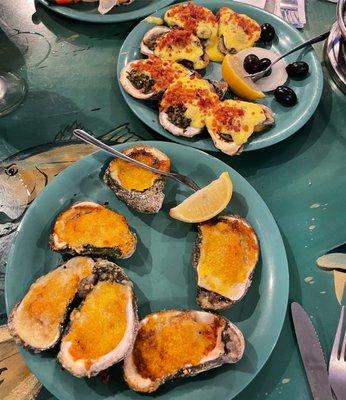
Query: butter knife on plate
[311, 353]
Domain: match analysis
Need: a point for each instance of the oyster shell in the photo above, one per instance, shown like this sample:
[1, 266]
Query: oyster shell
[140, 189]
[171, 344]
[90, 228]
[225, 256]
[185, 105]
[192, 16]
[149, 39]
[236, 31]
[102, 330]
[37, 321]
[177, 45]
[151, 77]
[246, 118]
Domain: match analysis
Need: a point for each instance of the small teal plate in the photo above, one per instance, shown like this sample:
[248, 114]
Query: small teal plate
[161, 271]
[288, 120]
[87, 12]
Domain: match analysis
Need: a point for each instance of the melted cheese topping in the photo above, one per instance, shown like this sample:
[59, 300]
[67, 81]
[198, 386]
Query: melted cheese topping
[236, 118]
[163, 72]
[154, 20]
[200, 20]
[180, 45]
[238, 30]
[194, 94]
[228, 253]
[212, 48]
[132, 177]
[97, 226]
[167, 343]
[100, 324]
[38, 317]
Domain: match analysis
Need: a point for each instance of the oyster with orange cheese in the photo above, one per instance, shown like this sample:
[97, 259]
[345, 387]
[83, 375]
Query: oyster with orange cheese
[91, 228]
[37, 321]
[174, 343]
[139, 188]
[225, 256]
[101, 331]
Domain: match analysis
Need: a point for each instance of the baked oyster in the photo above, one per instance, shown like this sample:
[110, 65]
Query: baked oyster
[171, 344]
[90, 228]
[37, 321]
[225, 256]
[177, 45]
[148, 78]
[141, 189]
[102, 330]
[185, 105]
[232, 122]
[149, 40]
[236, 31]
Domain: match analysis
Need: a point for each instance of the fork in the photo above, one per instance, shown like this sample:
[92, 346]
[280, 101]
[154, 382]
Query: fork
[289, 11]
[86, 137]
[337, 362]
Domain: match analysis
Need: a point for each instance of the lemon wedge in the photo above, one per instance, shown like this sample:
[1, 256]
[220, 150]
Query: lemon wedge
[206, 203]
[233, 73]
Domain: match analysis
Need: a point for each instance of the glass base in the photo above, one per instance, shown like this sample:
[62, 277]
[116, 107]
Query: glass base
[12, 92]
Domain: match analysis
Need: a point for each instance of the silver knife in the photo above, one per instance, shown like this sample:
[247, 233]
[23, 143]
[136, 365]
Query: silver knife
[311, 353]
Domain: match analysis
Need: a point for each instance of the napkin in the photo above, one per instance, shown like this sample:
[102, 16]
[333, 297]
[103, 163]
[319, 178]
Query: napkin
[273, 6]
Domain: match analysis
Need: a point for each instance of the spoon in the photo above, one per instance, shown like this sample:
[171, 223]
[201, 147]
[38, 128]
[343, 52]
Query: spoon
[86, 137]
[313, 40]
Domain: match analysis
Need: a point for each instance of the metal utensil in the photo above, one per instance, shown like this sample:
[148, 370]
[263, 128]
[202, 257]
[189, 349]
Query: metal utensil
[289, 12]
[313, 40]
[86, 137]
[311, 353]
[337, 363]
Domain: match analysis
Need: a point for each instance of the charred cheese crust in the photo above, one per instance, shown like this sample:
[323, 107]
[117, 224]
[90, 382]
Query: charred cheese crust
[238, 31]
[236, 119]
[194, 94]
[132, 177]
[181, 45]
[99, 325]
[163, 72]
[102, 329]
[167, 343]
[180, 343]
[36, 322]
[90, 228]
[141, 189]
[225, 255]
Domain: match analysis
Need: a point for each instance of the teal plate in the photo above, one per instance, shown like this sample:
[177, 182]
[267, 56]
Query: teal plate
[87, 12]
[161, 271]
[288, 120]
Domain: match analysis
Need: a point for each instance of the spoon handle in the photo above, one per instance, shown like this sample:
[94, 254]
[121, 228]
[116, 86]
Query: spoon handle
[313, 40]
[80, 134]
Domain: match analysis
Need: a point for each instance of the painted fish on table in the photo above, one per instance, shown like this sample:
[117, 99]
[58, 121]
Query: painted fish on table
[25, 174]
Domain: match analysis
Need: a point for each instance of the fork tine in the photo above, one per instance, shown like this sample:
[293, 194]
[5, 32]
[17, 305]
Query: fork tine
[343, 347]
[335, 349]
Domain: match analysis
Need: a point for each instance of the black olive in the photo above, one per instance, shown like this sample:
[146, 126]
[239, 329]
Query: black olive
[267, 33]
[298, 69]
[251, 64]
[285, 96]
[264, 63]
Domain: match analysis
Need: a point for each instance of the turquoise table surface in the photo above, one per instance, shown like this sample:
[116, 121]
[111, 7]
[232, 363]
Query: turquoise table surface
[70, 70]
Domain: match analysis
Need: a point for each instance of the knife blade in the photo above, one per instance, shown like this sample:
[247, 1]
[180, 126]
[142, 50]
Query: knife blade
[311, 353]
